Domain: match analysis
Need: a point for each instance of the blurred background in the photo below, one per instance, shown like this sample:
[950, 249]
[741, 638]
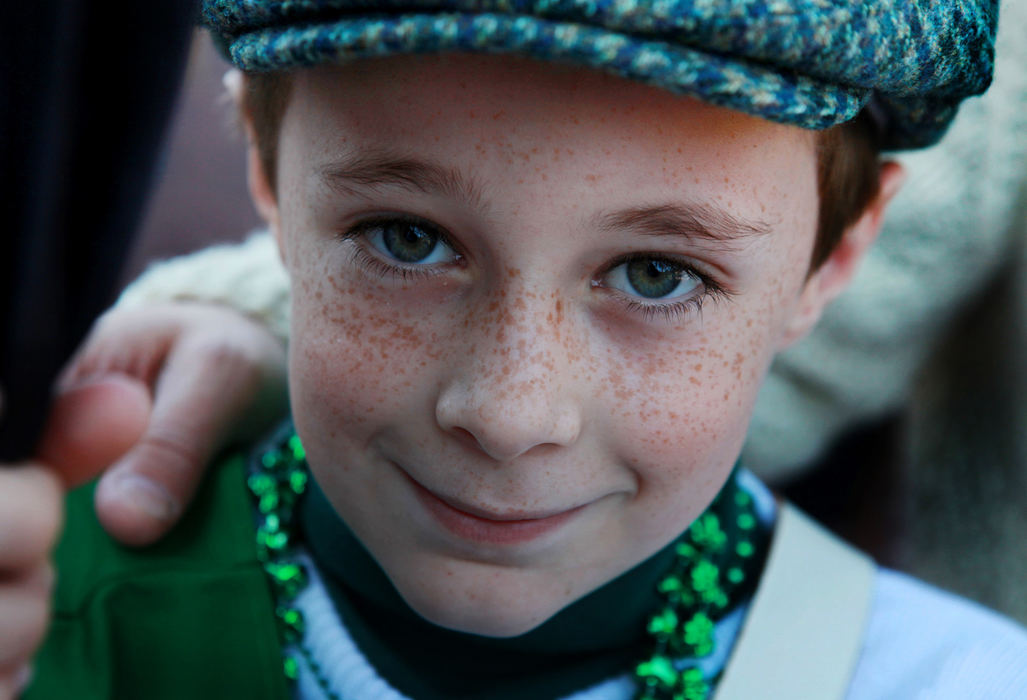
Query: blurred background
[201, 196]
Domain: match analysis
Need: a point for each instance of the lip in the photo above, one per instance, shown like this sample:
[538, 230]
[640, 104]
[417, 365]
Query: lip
[489, 528]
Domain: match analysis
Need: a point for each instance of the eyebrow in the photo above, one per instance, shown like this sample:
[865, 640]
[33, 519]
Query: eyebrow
[697, 222]
[382, 169]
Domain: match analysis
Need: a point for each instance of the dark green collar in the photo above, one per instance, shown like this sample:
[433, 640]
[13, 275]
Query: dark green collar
[600, 636]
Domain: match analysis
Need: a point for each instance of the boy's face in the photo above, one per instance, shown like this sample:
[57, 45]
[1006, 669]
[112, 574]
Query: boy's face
[532, 307]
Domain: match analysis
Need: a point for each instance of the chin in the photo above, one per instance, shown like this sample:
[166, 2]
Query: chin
[488, 607]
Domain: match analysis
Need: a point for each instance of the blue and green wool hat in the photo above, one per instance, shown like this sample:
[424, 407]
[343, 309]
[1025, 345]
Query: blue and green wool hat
[811, 63]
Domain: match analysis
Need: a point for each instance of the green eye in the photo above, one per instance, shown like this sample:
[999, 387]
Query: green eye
[409, 242]
[653, 278]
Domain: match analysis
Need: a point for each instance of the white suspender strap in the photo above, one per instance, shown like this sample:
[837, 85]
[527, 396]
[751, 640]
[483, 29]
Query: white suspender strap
[804, 631]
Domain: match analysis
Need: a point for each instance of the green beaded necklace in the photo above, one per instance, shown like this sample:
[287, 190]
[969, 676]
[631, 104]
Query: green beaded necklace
[716, 558]
[717, 562]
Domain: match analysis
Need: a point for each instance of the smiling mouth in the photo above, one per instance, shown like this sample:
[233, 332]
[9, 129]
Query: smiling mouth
[490, 528]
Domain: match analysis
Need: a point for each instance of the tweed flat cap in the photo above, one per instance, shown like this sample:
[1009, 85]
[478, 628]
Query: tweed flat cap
[812, 63]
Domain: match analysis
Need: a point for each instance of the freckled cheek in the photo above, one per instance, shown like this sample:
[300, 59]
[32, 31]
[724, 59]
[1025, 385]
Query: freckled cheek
[682, 418]
[355, 361]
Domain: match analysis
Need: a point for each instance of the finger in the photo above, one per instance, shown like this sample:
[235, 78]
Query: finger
[202, 392]
[14, 681]
[92, 425]
[132, 343]
[24, 609]
[30, 517]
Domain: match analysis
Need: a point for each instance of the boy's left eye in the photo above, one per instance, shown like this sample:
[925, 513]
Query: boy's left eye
[652, 278]
[409, 242]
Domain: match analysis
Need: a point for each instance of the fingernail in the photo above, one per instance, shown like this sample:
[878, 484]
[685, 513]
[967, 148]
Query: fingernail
[22, 679]
[144, 495]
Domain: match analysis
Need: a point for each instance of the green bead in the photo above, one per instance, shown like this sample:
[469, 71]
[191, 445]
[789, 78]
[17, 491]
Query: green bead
[260, 484]
[298, 453]
[298, 481]
[290, 668]
[686, 551]
[292, 624]
[699, 634]
[735, 575]
[659, 669]
[664, 623]
[692, 686]
[268, 502]
[288, 578]
[270, 460]
[274, 541]
[706, 531]
[745, 549]
[704, 576]
[746, 521]
[671, 584]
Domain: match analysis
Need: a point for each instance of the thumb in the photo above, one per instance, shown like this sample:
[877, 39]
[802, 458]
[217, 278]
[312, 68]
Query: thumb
[200, 395]
[92, 425]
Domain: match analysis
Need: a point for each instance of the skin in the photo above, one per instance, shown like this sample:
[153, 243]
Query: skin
[518, 377]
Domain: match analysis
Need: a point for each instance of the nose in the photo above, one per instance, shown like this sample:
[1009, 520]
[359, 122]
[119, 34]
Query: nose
[511, 392]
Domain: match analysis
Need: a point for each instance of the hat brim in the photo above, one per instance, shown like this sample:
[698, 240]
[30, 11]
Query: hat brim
[754, 88]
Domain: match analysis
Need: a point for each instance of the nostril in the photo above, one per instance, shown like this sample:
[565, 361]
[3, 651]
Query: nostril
[466, 437]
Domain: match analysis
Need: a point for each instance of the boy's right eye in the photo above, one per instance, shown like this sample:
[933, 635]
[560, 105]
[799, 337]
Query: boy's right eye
[410, 242]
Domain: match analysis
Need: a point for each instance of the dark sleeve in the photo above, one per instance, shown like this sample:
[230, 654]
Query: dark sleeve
[86, 90]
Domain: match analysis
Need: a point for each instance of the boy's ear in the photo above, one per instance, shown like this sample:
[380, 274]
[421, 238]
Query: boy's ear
[831, 278]
[261, 192]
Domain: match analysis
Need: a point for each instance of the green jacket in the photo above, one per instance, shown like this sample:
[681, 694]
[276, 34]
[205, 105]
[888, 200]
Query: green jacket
[191, 617]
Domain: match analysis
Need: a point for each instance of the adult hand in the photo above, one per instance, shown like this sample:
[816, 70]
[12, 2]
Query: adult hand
[111, 418]
[214, 376]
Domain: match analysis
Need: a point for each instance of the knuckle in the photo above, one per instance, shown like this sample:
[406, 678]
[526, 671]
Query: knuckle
[228, 360]
[168, 449]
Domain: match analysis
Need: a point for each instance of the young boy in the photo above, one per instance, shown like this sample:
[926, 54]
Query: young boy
[534, 296]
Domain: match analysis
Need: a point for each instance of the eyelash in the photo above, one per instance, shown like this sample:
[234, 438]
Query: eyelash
[381, 268]
[711, 290]
[674, 310]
